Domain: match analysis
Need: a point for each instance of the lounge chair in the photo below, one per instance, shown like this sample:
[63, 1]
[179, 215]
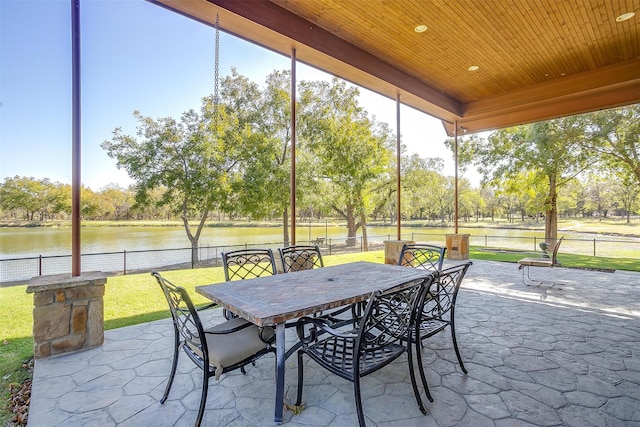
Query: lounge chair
[525, 263]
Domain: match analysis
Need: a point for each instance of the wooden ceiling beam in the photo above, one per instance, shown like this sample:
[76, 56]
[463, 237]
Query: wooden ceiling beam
[504, 115]
[582, 82]
[301, 31]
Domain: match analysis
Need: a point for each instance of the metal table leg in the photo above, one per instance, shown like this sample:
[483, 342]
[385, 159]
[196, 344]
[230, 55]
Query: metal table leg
[280, 367]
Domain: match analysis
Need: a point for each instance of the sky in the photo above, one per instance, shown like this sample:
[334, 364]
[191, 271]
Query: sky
[134, 56]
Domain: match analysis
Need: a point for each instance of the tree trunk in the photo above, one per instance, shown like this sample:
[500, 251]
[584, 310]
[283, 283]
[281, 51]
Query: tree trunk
[285, 226]
[365, 241]
[551, 218]
[194, 238]
[351, 226]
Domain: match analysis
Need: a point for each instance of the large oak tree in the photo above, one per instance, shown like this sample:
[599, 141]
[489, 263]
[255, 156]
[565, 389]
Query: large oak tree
[550, 152]
[192, 159]
[351, 150]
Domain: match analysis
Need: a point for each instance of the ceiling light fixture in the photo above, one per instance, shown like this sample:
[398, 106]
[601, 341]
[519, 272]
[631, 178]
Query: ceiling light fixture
[420, 28]
[473, 68]
[625, 17]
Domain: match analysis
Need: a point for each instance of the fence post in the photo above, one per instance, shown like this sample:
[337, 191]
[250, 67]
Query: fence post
[534, 242]
[329, 246]
[39, 265]
[125, 263]
[594, 247]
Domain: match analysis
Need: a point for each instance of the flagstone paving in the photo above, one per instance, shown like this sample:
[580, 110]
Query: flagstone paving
[566, 353]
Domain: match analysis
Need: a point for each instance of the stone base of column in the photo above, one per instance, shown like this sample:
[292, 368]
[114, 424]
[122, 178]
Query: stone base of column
[392, 249]
[68, 312]
[457, 246]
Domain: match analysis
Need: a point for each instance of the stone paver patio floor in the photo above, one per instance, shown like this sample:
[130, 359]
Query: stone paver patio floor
[561, 354]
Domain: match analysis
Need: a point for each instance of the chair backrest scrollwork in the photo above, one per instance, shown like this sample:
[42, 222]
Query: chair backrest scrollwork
[185, 317]
[300, 257]
[248, 264]
[389, 315]
[426, 257]
[443, 292]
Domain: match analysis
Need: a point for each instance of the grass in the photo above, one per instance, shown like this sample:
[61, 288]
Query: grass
[136, 299]
[567, 260]
[17, 341]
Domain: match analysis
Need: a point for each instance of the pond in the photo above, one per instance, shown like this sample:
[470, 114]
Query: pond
[28, 252]
[22, 242]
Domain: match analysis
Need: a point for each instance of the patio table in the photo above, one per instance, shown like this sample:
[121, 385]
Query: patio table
[272, 300]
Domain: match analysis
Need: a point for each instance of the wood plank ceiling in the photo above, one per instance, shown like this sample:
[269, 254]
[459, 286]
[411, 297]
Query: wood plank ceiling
[536, 59]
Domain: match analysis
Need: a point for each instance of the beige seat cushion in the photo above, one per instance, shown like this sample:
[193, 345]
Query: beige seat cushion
[228, 349]
[536, 262]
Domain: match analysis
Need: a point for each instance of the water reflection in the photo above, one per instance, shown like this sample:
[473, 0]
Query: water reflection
[26, 242]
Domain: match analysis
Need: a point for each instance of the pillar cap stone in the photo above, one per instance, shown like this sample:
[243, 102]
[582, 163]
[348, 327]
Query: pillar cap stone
[64, 281]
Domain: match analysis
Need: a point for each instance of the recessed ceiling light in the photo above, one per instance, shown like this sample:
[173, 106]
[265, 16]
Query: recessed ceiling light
[625, 16]
[473, 68]
[420, 28]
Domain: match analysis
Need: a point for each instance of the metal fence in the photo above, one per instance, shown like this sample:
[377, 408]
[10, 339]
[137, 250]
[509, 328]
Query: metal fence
[15, 271]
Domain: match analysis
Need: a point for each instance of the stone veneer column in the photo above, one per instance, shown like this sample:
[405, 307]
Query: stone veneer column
[68, 313]
[392, 249]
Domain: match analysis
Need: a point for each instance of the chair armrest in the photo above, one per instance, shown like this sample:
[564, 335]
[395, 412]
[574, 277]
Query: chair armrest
[228, 330]
[324, 324]
[266, 334]
[207, 306]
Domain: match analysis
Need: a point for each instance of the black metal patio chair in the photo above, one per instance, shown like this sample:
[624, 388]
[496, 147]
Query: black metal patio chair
[247, 264]
[438, 311]
[380, 337]
[300, 257]
[419, 255]
[228, 346]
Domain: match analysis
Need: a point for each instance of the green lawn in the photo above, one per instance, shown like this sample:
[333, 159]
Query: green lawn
[136, 299]
[567, 260]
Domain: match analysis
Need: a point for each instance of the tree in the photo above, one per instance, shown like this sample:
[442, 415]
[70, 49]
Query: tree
[470, 201]
[32, 196]
[615, 134]
[626, 191]
[266, 168]
[552, 150]
[351, 150]
[599, 199]
[419, 177]
[89, 202]
[491, 199]
[525, 193]
[193, 159]
[18, 193]
[115, 202]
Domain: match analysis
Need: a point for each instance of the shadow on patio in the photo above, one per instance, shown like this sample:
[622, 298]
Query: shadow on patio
[567, 354]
